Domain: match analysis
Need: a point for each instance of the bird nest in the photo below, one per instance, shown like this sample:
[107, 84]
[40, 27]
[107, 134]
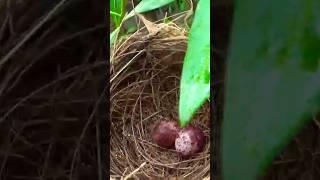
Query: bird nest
[145, 76]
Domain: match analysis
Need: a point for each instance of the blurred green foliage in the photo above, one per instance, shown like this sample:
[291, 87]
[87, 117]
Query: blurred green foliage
[273, 82]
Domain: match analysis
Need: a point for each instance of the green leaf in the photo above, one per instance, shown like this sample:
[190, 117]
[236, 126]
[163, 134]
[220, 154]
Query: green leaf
[148, 5]
[114, 36]
[195, 81]
[117, 11]
[273, 82]
[114, 14]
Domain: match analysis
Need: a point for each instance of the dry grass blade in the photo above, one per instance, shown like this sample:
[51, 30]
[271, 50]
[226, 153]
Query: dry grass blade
[30, 33]
[135, 171]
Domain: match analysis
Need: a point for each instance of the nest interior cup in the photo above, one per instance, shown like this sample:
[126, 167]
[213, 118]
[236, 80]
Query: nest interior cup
[144, 91]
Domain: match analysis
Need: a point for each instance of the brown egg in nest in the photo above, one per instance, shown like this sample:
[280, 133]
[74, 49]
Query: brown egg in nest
[165, 133]
[190, 141]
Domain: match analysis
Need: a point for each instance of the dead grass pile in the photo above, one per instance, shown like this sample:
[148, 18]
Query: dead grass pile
[52, 68]
[145, 77]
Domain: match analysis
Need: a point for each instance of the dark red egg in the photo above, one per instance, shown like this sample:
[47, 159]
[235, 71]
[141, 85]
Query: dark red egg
[190, 141]
[165, 134]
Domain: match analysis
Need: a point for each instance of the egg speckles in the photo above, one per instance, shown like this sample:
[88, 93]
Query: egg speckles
[190, 140]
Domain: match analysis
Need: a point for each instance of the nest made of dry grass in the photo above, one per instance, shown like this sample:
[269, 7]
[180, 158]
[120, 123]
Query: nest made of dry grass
[145, 78]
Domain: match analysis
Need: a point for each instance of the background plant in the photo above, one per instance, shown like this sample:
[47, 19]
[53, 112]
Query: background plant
[143, 6]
